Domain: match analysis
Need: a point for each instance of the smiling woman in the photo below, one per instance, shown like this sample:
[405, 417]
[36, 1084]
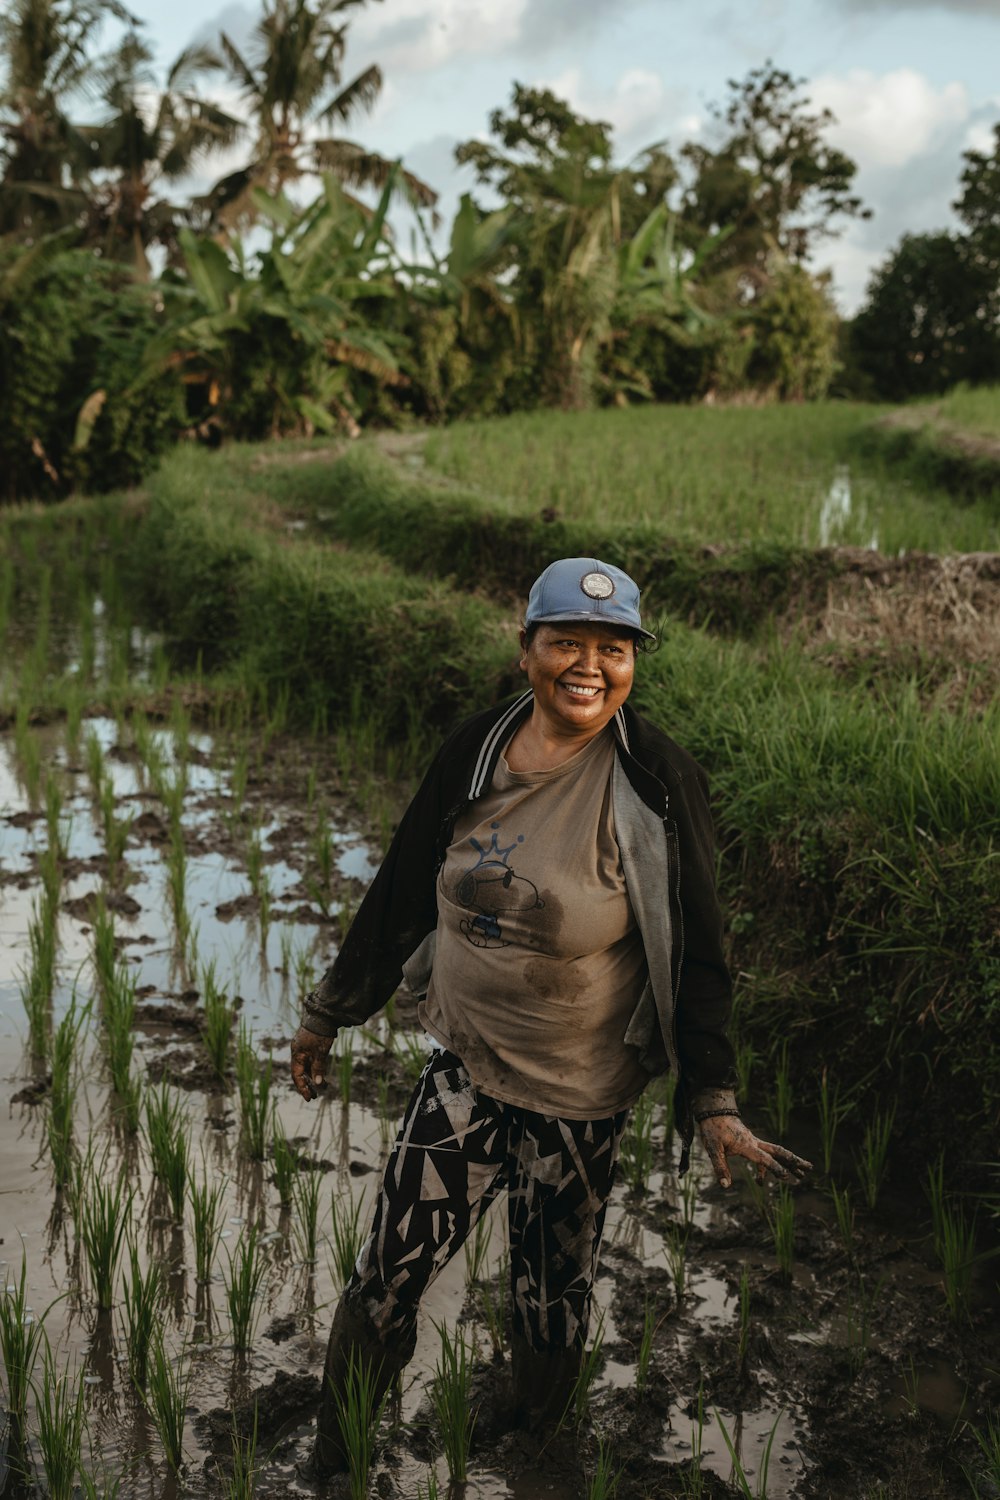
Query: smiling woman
[549, 896]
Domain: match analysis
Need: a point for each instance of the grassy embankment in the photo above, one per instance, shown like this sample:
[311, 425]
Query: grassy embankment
[857, 822]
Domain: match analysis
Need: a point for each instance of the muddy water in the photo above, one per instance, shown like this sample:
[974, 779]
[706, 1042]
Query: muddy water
[802, 1330]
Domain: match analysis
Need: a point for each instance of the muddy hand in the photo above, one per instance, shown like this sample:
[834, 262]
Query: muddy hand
[726, 1135]
[309, 1054]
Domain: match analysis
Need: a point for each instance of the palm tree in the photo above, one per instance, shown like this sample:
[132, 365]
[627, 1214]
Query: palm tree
[45, 160]
[298, 57]
[149, 134]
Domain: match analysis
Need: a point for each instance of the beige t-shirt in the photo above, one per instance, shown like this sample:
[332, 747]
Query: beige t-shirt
[539, 964]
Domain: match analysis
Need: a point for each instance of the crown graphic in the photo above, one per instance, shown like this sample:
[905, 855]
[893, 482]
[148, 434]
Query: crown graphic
[493, 855]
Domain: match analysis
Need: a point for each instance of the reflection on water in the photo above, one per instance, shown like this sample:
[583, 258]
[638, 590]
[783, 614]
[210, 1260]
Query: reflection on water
[837, 512]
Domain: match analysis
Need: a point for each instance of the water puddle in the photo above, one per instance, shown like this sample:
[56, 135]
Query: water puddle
[837, 512]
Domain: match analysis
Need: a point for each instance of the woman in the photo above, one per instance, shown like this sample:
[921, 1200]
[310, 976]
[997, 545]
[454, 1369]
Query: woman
[549, 895]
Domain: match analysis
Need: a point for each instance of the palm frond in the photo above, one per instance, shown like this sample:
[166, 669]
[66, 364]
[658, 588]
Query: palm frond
[361, 93]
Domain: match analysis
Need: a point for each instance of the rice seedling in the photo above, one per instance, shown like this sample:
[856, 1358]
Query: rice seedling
[305, 971]
[637, 1145]
[986, 1480]
[781, 1222]
[345, 1064]
[428, 1489]
[492, 1299]
[830, 1114]
[167, 1140]
[410, 1049]
[172, 792]
[240, 1482]
[142, 1294]
[255, 861]
[873, 1160]
[74, 704]
[476, 1248]
[119, 1020]
[359, 1412]
[59, 1426]
[322, 865]
[739, 1474]
[675, 1251]
[693, 1482]
[957, 1253]
[743, 1344]
[285, 1163]
[180, 731]
[103, 1214]
[51, 872]
[248, 1273]
[166, 1396]
[384, 1109]
[103, 946]
[220, 1020]
[253, 1082]
[645, 1354]
[779, 1107]
[346, 1235]
[53, 814]
[860, 1308]
[451, 1390]
[306, 1191]
[177, 885]
[579, 1400]
[207, 1205]
[62, 1093]
[116, 830]
[286, 949]
[688, 1200]
[604, 1481]
[845, 1216]
[27, 753]
[264, 901]
[21, 1337]
[94, 755]
[38, 981]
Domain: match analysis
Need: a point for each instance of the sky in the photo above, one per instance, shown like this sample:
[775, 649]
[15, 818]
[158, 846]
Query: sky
[912, 84]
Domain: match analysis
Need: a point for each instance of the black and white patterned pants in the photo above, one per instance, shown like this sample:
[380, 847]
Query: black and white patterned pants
[456, 1150]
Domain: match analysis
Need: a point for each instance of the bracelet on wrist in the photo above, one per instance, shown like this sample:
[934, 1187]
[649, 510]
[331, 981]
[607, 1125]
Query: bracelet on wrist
[712, 1114]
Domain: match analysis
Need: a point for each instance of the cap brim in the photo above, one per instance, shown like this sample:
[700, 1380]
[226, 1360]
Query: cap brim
[584, 614]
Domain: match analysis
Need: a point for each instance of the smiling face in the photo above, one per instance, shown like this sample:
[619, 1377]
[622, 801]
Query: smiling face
[580, 673]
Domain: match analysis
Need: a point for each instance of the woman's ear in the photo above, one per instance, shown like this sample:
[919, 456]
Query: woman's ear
[522, 636]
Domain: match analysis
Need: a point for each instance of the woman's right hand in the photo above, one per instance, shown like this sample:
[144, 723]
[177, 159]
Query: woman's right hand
[309, 1054]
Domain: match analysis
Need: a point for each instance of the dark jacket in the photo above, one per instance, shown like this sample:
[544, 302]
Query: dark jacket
[664, 829]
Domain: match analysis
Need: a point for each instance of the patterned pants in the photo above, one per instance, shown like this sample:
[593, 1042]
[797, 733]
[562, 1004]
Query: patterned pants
[456, 1150]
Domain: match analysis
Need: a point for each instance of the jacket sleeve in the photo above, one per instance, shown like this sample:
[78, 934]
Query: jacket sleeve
[397, 913]
[704, 987]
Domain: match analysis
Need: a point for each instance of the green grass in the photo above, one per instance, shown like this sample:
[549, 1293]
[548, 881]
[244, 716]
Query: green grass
[973, 409]
[451, 1392]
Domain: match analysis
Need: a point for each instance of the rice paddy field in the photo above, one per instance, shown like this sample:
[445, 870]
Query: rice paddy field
[214, 696]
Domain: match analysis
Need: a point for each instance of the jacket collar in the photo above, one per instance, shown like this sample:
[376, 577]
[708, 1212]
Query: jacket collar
[502, 730]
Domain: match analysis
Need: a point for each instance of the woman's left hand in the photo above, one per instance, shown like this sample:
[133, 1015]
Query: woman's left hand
[726, 1135]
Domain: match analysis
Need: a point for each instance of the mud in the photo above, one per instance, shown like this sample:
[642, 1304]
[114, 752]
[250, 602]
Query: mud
[852, 1372]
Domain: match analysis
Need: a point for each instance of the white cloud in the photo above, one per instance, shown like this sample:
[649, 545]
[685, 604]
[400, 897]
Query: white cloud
[888, 120]
[417, 35]
[634, 106]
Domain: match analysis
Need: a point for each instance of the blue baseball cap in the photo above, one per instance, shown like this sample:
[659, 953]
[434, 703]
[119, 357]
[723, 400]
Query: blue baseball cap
[584, 588]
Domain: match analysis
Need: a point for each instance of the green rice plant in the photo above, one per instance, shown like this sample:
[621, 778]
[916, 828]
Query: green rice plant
[247, 1276]
[688, 1201]
[781, 1222]
[637, 1145]
[579, 1401]
[103, 953]
[59, 1426]
[253, 1083]
[604, 1481]
[172, 792]
[675, 1242]
[27, 752]
[103, 1215]
[650, 1324]
[476, 1249]
[779, 1107]
[306, 1191]
[451, 1391]
[62, 1092]
[859, 1319]
[207, 1199]
[286, 949]
[240, 1482]
[492, 1299]
[428, 1489]
[50, 870]
[874, 1157]
[255, 860]
[305, 971]
[319, 882]
[830, 1115]
[166, 1399]
[168, 1143]
[845, 1216]
[116, 830]
[38, 982]
[743, 1343]
[21, 1337]
[119, 1022]
[74, 701]
[693, 1481]
[285, 1162]
[346, 1235]
[384, 1109]
[986, 1480]
[359, 1412]
[957, 1254]
[264, 903]
[53, 814]
[345, 1063]
[94, 754]
[739, 1474]
[220, 1020]
[177, 884]
[180, 731]
[142, 1295]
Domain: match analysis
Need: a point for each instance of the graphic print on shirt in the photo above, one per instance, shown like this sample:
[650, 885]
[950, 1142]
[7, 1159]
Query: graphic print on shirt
[491, 889]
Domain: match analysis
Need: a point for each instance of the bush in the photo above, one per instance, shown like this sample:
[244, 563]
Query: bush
[74, 326]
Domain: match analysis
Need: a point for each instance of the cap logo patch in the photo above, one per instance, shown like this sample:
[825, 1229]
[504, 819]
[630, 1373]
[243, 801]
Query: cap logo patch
[597, 585]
